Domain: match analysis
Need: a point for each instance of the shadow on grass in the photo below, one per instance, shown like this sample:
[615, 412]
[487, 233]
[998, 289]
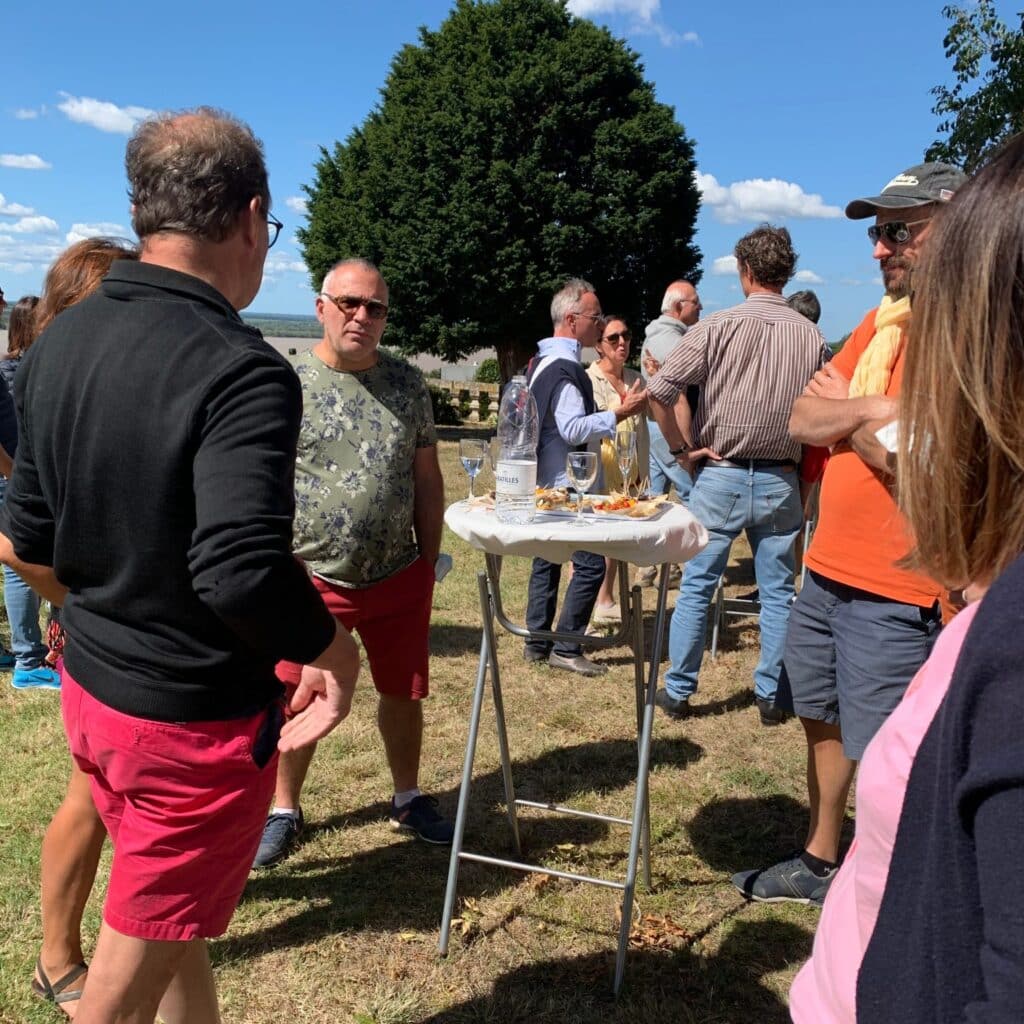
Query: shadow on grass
[677, 987]
[351, 893]
[740, 833]
[449, 640]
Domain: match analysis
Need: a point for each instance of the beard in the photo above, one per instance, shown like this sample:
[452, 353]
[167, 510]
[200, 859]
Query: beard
[896, 276]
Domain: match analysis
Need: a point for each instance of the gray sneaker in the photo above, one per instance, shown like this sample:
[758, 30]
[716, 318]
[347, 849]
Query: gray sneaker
[789, 881]
[576, 663]
[280, 834]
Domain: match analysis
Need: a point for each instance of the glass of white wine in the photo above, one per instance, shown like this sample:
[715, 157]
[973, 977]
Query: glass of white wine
[472, 452]
[581, 468]
[625, 452]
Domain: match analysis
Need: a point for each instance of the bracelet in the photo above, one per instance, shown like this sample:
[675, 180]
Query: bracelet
[676, 452]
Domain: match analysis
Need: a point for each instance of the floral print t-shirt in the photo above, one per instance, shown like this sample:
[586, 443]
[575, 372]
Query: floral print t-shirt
[354, 468]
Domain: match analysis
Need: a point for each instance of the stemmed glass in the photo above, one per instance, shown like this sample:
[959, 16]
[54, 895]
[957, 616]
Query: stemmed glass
[625, 452]
[472, 452]
[581, 468]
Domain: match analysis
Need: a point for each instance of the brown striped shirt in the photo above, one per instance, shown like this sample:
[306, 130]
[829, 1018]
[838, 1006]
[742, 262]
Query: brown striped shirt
[751, 362]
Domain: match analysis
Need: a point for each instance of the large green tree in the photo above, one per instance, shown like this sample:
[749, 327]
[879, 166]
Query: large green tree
[513, 147]
[985, 106]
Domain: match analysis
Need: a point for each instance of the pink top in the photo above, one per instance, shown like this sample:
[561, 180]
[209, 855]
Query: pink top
[824, 991]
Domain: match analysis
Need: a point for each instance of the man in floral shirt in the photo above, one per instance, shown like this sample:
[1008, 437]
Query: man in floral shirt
[369, 503]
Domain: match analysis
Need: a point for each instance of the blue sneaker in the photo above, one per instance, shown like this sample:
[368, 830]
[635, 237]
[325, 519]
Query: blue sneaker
[6, 659]
[420, 817]
[280, 834]
[41, 678]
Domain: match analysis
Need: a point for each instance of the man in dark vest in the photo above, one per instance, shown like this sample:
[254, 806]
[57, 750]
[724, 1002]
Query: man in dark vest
[568, 420]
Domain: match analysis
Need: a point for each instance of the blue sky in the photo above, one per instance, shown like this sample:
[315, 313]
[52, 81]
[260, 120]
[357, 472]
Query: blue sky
[795, 108]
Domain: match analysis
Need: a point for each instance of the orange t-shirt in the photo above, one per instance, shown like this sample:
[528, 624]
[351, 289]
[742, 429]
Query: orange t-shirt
[861, 534]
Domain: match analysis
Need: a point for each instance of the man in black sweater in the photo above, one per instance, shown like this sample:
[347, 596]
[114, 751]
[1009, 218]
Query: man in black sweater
[153, 498]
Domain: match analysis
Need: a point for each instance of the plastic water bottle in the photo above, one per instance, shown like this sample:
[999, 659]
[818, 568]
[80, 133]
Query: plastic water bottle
[515, 475]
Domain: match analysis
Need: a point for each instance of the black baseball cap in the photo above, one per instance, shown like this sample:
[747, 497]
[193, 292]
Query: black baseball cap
[916, 186]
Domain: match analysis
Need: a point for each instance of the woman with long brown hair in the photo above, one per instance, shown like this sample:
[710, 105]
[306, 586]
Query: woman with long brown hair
[74, 838]
[925, 920]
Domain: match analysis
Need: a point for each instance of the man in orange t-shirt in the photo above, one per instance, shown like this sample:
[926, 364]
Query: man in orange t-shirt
[862, 624]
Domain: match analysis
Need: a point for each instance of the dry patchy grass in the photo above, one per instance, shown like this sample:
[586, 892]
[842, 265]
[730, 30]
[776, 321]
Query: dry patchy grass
[347, 928]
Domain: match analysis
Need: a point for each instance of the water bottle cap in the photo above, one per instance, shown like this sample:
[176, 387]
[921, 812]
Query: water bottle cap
[519, 377]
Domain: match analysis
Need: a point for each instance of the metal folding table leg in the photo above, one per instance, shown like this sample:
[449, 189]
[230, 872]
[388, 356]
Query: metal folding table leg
[487, 658]
[640, 799]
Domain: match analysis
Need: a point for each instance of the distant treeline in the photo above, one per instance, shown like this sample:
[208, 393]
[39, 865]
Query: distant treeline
[282, 325]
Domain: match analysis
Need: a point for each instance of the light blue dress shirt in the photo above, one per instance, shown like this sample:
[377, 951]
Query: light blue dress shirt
[570, 426]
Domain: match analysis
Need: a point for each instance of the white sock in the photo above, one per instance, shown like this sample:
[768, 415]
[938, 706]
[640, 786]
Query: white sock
[405, 797]
[285, 810]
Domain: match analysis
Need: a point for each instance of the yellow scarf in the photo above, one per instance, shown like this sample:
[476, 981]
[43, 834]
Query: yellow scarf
[874, 368]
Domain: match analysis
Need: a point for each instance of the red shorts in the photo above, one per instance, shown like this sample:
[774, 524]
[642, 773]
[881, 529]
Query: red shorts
[184, 805]
[392, 619]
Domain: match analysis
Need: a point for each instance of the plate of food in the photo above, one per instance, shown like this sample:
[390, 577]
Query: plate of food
[560, 501]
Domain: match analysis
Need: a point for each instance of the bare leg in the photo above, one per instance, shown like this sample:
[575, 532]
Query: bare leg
[291, 774]
[829, 775]
[606, 595]
[70, 854]
[191, 997]
[129, 977]
[400, 721]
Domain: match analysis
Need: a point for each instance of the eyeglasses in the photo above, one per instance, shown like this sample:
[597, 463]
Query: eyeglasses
[590, 316]
[272, 222]
[695, 301]
[895, 231]
[626, 336]
[349, 305]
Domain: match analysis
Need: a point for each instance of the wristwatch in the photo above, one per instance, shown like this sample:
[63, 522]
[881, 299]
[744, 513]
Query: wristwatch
[676, 452]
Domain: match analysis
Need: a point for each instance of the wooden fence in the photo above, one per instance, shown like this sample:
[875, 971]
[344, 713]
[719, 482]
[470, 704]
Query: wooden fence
[482, 399]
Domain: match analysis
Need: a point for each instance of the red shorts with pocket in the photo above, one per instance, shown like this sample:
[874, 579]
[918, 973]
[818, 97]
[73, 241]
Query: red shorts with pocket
[184, 804]
[392, 619]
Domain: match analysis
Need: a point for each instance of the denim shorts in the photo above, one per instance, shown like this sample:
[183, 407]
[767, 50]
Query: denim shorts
[850, 656]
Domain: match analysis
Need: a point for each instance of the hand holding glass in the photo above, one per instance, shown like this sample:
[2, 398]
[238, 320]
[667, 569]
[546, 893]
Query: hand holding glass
[472, 452]
[581, 468]
[625, 452]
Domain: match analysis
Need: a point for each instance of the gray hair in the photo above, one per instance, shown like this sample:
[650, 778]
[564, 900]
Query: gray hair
[674, 294]
[567, 298]
[354, 261]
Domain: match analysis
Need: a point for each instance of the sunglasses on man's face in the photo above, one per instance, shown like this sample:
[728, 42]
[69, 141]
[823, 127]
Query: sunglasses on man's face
[349, 305]
[626, 336]
[895, 231]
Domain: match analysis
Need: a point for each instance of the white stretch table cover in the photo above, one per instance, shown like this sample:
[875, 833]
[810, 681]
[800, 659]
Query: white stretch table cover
[671, 536]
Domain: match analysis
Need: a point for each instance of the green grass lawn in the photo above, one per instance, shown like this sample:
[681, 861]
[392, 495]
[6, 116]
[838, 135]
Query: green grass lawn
[347, 928]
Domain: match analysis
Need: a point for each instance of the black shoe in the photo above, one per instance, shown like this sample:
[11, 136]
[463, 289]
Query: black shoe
[770, 714]
[576, 663]
[673, 708]
[280, 834]
[420, 817]
[531, 654]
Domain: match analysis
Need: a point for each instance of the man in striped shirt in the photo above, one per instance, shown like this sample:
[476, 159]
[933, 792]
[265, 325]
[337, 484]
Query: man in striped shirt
[751, 362]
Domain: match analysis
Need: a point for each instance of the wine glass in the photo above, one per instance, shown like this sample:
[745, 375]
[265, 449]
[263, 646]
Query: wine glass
[581, 468]
[472, 452]
[625, 452]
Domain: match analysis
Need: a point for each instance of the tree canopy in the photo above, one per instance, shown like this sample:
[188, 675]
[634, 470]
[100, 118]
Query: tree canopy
[986, 105]
[513, 147]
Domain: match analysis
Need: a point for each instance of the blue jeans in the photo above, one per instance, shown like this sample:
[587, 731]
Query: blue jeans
[22, 605]
[664, 469]
[766, 503]
[580, 596]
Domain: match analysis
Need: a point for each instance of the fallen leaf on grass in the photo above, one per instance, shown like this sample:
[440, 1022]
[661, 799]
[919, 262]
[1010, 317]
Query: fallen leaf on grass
[652, 931]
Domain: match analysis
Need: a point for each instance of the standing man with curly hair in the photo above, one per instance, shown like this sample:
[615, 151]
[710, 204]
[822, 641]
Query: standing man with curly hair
[751, 362]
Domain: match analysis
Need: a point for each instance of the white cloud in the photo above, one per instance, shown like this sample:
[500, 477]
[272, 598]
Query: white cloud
[33, 225]
[645, 14]
[28, 113]
[279, 263]
[808, 277]
[108, 117]
[878, 280]
[13, 209]
[297, 203]
[758, 199]
[24, 161]
[724, 266]
[108, 229]
[20, 257]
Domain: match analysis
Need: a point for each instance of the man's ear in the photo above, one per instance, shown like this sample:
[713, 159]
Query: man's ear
[252, 220]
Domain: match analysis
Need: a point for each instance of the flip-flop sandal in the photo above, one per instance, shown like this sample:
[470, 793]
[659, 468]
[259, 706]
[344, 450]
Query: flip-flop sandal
[57, 991]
